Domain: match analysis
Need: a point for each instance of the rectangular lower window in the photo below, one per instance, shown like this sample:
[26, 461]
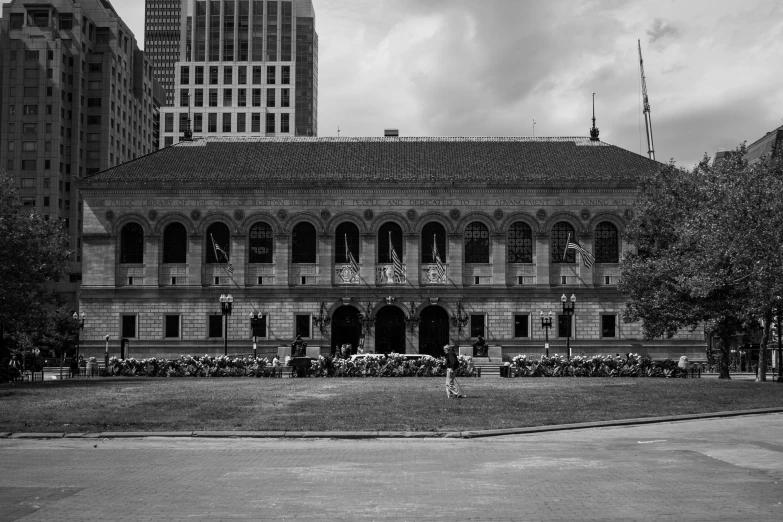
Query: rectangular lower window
[303, 325]
[215, 326]
[609, 326]
[128, 326]
[258, 326]
[477, 323]
[521, 325]
[172, 326]
[260, 280]
[564, 325]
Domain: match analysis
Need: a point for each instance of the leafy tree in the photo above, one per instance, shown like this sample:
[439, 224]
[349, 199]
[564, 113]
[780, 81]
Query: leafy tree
[709, 245]
[34, 252]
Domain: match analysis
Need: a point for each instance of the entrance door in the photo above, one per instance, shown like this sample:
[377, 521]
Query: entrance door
[346, 328]
[433, 331]
[390, 330]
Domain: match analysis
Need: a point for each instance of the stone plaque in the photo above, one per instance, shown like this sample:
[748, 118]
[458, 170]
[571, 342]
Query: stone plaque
[195, 215]
[152, 215]
[325, 215]
[282, 214]
[454, 214]
[109, 215]
[369, 214]
[239, 215]
[411, 215]
[541, 215]
[585, 214]
[499, 214]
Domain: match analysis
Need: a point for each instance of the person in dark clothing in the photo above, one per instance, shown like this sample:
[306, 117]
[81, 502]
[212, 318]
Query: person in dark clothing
[452, 365]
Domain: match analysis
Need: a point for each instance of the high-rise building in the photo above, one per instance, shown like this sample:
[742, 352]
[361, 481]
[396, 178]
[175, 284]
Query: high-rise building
[162, 27]
[77, 97]
[246, 67]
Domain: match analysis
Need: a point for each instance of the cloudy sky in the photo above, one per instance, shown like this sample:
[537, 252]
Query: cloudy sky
[492, 67]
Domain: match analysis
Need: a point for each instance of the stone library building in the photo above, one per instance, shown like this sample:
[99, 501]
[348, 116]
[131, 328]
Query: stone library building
[387, 244]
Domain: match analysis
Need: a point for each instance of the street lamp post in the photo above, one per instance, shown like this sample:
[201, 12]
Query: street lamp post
[226, 303]
[255, 325]
[546, 324]
[79, 321]
[568, 311]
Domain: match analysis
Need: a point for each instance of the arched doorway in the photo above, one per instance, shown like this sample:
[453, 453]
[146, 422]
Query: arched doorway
[390, 330]
[346, 328]
[433, 331]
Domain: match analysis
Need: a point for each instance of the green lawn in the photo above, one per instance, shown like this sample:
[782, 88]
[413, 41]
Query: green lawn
[125, 404]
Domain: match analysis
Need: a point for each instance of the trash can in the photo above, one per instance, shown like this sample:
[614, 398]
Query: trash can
[504, 371]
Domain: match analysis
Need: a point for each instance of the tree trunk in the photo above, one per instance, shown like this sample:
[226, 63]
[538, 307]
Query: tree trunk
[761, 375]
[725, 356]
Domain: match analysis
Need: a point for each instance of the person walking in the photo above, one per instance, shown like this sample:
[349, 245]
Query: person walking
[452, 365]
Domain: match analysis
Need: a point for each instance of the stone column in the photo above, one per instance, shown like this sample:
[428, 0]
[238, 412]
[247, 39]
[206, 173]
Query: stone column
[412, 260]
[195, 260]
[367, 257]
[281, 258]
[498, 257]
[238, 256]
[152, 260]
[325, 260]
[587, 275]
[455, 258]
[542, 260]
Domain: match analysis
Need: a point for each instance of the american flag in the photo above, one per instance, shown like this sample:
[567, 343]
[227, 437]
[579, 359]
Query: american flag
[398, 273]
[217, 248]
[436, 257]
[587, 257]
[351, 259]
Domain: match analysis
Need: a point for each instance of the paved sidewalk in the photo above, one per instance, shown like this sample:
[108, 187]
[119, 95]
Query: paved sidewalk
[717, 469]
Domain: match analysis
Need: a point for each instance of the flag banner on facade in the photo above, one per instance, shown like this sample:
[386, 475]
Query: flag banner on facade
[436, 257]
[587, 257]
[219, 250]
[351, 259]
[398, 273]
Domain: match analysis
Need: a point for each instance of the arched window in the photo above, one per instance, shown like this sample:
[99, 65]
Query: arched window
[218, 243]
[261, 243]
[520, 243]
[476, 243]
[433, 234]
[388, 230]
[175, 244]
[346, 235]
[303, 244]
[607, 244]
[561, 233]
[132, 244]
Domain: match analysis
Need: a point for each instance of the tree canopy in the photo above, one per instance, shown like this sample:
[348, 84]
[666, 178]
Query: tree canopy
[709, 250]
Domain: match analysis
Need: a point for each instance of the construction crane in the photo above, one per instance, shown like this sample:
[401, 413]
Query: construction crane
[647, 119]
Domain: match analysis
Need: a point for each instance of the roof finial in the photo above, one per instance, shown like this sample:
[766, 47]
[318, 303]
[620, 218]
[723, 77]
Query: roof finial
[594, 130]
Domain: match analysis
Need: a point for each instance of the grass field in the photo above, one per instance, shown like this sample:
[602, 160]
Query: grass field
[142, 404]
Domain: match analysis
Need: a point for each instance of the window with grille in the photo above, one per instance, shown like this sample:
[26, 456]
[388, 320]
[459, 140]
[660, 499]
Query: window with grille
[561, 233]
[389, 230]
[175, 244]
[172, 327]
[433, 234]
[132, 244]
[346, 234]
[261, 243]
[476, 243]
[520, 243]
[303, 244]
[218, 251]
[607, 243]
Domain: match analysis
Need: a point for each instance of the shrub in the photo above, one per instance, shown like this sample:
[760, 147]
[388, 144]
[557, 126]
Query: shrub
[632, 365]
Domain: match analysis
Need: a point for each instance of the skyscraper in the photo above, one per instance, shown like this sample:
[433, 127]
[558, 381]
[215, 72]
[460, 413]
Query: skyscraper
[245, 68]
[77, 97]
[162, 27]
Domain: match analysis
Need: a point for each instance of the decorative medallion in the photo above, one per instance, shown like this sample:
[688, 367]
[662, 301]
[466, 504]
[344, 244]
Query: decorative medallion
[369, 214]
[454, 214]
[499, 214]
[152, 215]
[585, 214]
[411, 215]
[109, 215]
[325, 215]
[239, 215]
[541, 215]
[628, 214]
[195, 215]
[282, 214]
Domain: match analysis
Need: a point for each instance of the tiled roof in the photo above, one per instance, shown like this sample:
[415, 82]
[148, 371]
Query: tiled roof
[397, 160]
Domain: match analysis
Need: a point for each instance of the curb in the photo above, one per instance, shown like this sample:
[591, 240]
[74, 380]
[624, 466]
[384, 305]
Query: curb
[472, 434]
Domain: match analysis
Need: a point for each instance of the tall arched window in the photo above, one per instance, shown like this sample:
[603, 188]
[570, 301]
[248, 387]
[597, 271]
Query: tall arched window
[520, 243]
[394, 231]
[607, 243]
[561, 233]
[218, 243]
[175, 244]
[346, 235]
[476, 243]
[132, 244]
[261, 244]
[303, 244]
[433, 233]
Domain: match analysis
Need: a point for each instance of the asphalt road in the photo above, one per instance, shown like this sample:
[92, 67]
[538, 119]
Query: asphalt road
[718, 469]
